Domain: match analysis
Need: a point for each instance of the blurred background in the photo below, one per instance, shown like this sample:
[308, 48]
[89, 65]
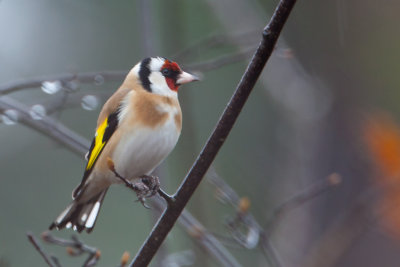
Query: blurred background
[308, 177]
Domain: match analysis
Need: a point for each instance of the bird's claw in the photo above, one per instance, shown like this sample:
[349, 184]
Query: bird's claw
[146, 187]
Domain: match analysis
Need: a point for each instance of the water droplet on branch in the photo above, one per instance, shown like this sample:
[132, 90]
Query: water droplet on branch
[90, 102]
[51, 87]
[37, 112]
[98, 79]
[72, 86]
[10, 117]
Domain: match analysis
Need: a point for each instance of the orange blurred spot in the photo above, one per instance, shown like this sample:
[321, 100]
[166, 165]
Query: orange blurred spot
[382, 137]
[244, 205]
[125, 258]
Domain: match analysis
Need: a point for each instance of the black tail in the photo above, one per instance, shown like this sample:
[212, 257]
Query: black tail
[80, 216]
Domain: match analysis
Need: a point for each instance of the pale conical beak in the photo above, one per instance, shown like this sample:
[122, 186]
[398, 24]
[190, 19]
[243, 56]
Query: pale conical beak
[185, 77]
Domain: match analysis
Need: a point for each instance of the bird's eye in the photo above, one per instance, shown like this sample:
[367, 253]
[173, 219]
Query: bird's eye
[165, 72]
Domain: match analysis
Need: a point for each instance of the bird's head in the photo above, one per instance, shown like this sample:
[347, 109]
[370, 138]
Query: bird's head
[161, 76]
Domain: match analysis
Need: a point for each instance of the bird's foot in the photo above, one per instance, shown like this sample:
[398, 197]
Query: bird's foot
[146, 187]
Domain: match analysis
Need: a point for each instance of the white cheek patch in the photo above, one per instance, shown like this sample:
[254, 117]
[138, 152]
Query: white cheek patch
[157, 80]
[159, 84]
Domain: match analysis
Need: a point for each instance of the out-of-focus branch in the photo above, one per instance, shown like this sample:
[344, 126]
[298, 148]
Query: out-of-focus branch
[47, 126]
[87, 77]
[342, 235]
[75, 247]
[300, 198]
[214, 40]
[255, 231]
[146, 29]
[37, 246]
[166, 222]
[115, 76]
[220, 61]
[73, 100]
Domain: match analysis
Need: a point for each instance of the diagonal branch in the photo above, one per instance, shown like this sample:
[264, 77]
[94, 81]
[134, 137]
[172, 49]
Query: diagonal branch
[218, 137]
[44, 255]
[48, 126]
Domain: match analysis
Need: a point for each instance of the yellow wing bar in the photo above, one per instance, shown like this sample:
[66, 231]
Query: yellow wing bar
[99, 144]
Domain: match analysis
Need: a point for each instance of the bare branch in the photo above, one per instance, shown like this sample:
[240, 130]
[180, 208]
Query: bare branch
[115, 76]
[44, 255]
[221, 132]
[221, 61]
[53, 129]
[214, 40]
[345, 231]
[300, 198]
[75, 247]
[87, 77]
[254, 228]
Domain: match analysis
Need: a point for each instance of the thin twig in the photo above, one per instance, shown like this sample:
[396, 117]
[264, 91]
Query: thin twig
[220, 61]
[87, 77]
[214, 40]
[113, 76]
[75, 247]
[345, 232]
[300, 198]
[218, 137]
[48, 126]
[231, 197]
[44, 255]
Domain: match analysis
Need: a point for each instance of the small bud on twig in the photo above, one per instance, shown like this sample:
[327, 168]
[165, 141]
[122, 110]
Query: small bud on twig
[98, 254]
[45, 235]
[244, 205]
[196, 231]
[334, 179]
[125, 258]
[71, 251]
[110, 164]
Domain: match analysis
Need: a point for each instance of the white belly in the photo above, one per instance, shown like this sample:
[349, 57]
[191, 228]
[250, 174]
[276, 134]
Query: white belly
[140, 151]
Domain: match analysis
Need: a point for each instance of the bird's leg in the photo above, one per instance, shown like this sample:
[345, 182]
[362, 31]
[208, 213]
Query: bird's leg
[146, 187]
[153, 184]
[140, 188]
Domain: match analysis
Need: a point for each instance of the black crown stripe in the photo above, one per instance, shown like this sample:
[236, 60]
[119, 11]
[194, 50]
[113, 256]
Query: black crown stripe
[144, 73]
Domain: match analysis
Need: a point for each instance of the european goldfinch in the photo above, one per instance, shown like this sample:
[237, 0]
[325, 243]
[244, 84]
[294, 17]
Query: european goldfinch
[137, 128]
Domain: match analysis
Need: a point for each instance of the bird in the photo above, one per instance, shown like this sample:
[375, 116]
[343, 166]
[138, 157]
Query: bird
[138, 126]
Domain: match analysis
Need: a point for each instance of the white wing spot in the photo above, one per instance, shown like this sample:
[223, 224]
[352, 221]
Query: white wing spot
[62, 215]
[93, 214]
[68, 225]
[84, 217]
